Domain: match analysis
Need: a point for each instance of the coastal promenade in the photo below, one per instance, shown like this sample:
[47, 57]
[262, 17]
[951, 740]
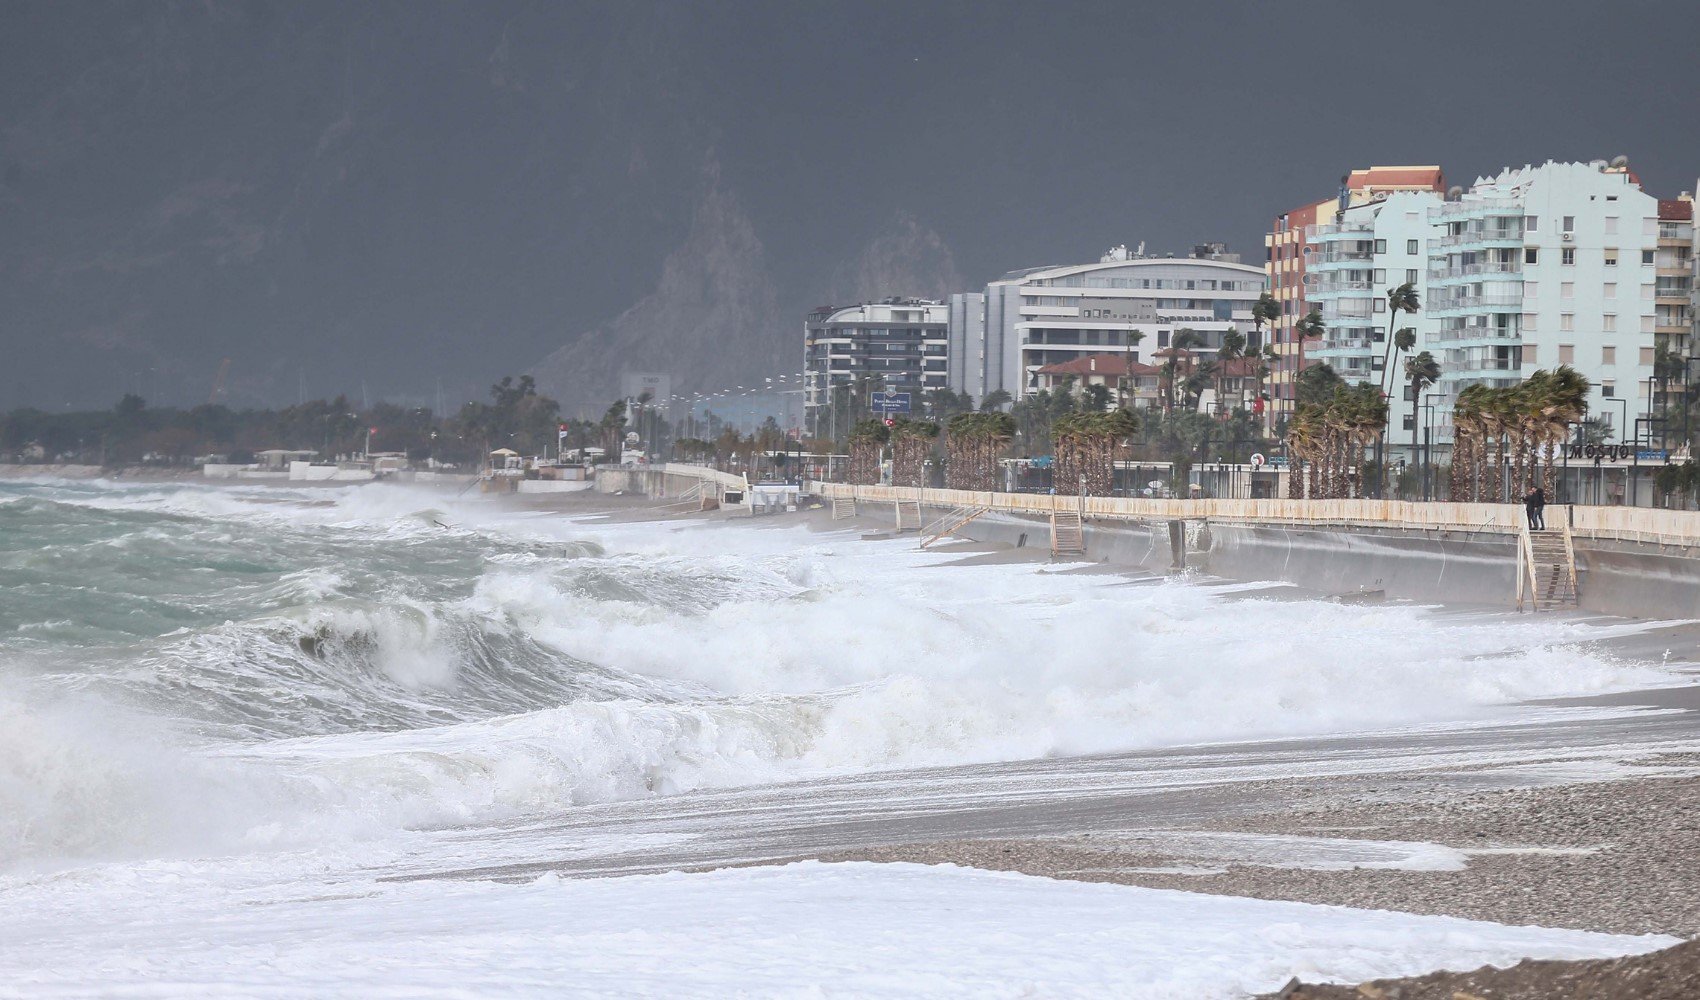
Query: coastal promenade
[1633, 524]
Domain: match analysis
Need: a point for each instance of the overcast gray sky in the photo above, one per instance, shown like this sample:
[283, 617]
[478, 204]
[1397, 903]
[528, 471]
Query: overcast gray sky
[403, 194]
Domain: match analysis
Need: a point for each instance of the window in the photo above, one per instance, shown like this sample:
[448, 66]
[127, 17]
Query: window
[1531, 255]
[1411, 246]
[1570, 223]
[1566, 354]
[1531, 223]
[1646, 324]
[1608, 323]
[1411, 275]
[1380, 305]
[1646, 257]
[1530, 288]
[1610, 289]
[1611, 256]
[1567, 290]
[1567, 322]
[1528, 354]
[1608, 354]
[1646, 355]
[1647, 293]
[1529, 321]
[1608, 387]
[1380, 246]
[1380, 275]
[1611, 225]
[1568, 255]
[1410, 422]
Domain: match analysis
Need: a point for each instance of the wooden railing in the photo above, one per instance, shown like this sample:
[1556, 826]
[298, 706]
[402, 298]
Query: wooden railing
[1663, 527]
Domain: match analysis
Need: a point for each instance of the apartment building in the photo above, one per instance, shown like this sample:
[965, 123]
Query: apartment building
[1552, 265]
[1126, 304]
[902, 345]
[1290, 252]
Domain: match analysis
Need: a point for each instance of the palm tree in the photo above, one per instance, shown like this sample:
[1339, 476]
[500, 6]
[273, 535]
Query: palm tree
[1309, 327]
[1469, 432]
[1303, 443]
[1233, 348]
[997, 399]
[867, 443]
[1421, 371]
[1568, 395]
[911, 441]
[1403, 299]
[1264, 312]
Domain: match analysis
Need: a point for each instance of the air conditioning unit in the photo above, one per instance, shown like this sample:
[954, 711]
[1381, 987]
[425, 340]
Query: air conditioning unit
[1570, 237]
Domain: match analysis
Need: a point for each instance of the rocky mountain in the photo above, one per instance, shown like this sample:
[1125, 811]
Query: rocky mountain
[407, 198]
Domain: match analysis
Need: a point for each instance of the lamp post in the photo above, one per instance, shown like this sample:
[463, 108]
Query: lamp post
[1428, 445]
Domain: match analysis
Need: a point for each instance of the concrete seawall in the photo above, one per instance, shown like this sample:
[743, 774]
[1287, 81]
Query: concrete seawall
[1631, 562]
[1634, 579]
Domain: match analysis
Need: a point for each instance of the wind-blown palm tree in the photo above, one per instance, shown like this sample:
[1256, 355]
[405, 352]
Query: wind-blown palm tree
[1233, 348]
[867, 443]
[911, 440]
[1421, 371]
[1264, 312]
[1568, 404]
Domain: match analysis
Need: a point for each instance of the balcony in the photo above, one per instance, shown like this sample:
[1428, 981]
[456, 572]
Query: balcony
[1346, 344]
[1324, 289]
[1478, 208]
[1482, 365]
[1504, 334]
[1337, 255]
[1350, 230]
[1476, 303]
[1496, 270]
[1476, 237]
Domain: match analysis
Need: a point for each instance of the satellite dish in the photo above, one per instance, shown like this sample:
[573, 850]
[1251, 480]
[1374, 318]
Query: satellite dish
[1454, 193]
[1620, 161]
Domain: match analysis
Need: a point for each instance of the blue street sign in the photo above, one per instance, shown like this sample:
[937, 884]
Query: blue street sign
[889, 402]
[1652, 455]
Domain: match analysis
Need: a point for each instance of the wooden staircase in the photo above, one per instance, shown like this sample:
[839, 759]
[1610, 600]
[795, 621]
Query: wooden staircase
[843, 507]
[952, 522]
[908, 515]
[1068, 538]
[1546, 574]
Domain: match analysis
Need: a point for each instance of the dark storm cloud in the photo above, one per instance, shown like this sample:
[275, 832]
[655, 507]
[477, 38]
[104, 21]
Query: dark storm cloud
[401, 193]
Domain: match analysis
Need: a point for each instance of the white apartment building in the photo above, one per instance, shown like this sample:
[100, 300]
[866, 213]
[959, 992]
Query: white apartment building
[900, 344]
[1546, 266]
[1370, 248]
[1125, 304]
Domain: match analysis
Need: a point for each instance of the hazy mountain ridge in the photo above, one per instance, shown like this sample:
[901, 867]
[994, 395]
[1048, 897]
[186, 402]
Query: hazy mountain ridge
[395, 195]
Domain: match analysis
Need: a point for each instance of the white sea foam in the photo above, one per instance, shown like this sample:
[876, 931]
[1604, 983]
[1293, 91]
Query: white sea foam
[700, 655]
[807, 929]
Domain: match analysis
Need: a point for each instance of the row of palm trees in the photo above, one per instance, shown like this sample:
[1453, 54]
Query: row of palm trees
[911, 442]
[1086, 445]
[973, 442]
[1514, 429]
[1326, 442]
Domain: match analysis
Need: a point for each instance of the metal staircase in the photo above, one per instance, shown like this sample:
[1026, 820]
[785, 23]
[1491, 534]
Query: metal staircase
[843, 507]
[952, 522]
[1068, 538]
[908, 515]
[1546, 571]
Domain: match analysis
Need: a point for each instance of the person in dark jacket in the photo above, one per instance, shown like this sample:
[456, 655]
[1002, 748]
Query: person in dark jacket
[1535, 505]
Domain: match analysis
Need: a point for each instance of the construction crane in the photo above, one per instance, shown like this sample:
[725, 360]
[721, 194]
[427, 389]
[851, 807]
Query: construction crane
[218, 382]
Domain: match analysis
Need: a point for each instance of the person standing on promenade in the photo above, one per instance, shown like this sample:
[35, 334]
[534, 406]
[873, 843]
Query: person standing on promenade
[1534, 505]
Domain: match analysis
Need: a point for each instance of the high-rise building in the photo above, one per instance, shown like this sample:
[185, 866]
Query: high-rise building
[1372, 246]
[1290, 253]
[1126, 304]
[898, 345]
[1673, 292]
[1552, 265]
